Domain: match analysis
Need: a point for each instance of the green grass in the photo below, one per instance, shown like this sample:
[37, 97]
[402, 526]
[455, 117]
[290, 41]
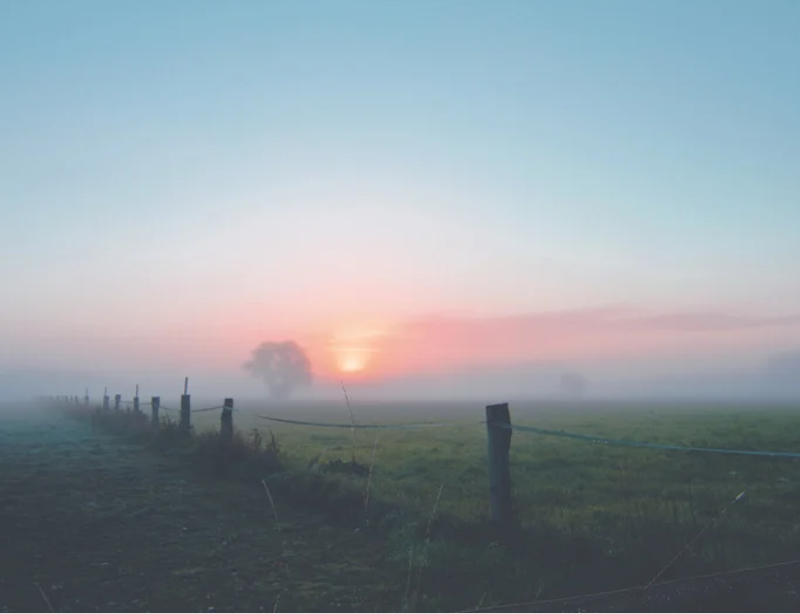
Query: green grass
[594, 517]
[591, 517]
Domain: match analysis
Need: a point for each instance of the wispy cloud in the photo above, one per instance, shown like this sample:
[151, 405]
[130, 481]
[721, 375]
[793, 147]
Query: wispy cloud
[705, 322]
[444, 341]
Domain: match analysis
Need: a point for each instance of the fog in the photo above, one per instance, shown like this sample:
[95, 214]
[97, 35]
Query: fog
[280, 371]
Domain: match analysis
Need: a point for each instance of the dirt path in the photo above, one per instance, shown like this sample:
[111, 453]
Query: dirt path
[90, 523]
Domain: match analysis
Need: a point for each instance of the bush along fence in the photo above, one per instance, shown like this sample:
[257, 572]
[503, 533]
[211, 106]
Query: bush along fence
[498, 425]
[184, 416]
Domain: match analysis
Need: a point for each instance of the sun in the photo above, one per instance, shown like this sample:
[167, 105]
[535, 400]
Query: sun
[353, 349]
[352, 360]
[352, 364]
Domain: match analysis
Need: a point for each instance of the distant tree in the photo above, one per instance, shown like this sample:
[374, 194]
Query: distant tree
[282, 365]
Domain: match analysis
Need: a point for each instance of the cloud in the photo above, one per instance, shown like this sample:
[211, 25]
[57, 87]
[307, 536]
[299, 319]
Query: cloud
[445, 342]
[704, 322]
[601, 320]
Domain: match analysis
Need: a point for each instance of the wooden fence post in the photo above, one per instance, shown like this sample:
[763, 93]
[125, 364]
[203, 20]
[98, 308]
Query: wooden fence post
[86, 397]
[155, 403]
[117, 401]
[136, 400]
[498, 426]
[185, 423]
[226, 422]
[106, 405]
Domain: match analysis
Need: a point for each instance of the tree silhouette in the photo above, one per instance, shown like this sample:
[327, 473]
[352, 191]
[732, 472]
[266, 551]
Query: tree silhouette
[283, 366]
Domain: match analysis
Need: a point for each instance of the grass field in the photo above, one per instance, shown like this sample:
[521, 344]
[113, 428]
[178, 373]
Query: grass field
[406, 527]
[600, 517]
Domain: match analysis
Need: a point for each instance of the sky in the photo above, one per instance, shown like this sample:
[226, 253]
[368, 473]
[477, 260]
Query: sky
[406, 189]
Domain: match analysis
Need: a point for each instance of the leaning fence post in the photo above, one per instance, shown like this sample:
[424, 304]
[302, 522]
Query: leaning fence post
[226, 422]
[186, 411]
[155, 403]
[498, 426]
[136, 400]
[117, 401]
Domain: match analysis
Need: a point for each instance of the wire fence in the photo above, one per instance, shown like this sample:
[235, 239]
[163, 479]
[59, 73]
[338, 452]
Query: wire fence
[129, 404]
[595, 439]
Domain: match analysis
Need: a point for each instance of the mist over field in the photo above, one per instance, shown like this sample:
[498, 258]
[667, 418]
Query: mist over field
[774, 378]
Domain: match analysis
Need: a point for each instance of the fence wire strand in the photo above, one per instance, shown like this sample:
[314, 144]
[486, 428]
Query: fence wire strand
[204, 409]
[417, 425]
[596, 439]
[644, 444]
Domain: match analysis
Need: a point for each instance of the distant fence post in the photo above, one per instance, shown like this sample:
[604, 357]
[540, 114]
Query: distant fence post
[117, 401]
[186, 411]
[226, 422]
[155, 403]
[86, 397]
[106, 405]
[498, 426]
[136, 400]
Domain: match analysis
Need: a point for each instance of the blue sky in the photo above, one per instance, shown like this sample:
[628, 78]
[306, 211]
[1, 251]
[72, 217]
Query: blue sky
[232, 170]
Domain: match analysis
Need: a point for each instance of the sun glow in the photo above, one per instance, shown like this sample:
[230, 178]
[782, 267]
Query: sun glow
[351, 361]
[353, 349]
